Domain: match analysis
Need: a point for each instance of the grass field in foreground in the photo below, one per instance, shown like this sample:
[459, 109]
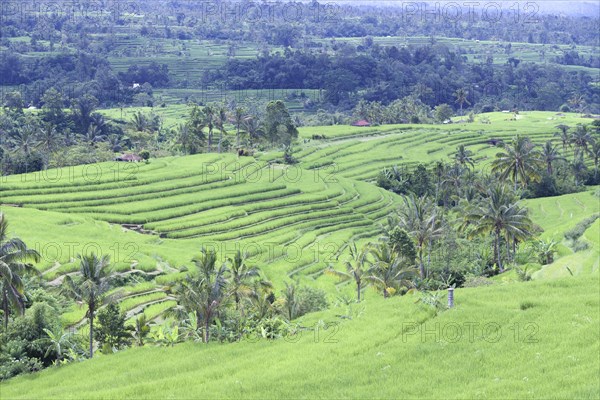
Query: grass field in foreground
[534, 340]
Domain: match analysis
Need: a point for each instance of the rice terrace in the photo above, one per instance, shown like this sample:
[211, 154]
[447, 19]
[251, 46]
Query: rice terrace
[353, 199]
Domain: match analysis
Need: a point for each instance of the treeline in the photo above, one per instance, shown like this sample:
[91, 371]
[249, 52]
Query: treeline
[279, 23]
[534, 170]
[77, 75]
[55, 136]
[434, 73]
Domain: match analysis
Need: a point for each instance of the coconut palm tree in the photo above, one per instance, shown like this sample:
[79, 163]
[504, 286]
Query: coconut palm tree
[242, 279]
[419, 218]
[209, 113]
[579, 169]
[594, 152]
[220, 121]
[90, 286]
[204, 293]
[93, 135]
[461, 98]
[239, 114]
[254, 128]
[48, 138]
[520, 160]
[498, 213]
[581, 139]
[550, 155]
[390, 271]
[141, 329]
[24, 139]
[564, 135]
[139, 122]
[356, 268]
[14, 258]
[463, 156]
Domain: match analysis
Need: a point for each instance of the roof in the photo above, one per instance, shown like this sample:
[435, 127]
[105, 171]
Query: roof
[361, 122]
[129, 157]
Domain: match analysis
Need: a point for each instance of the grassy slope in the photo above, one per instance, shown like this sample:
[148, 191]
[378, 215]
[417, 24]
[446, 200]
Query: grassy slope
[548, 350]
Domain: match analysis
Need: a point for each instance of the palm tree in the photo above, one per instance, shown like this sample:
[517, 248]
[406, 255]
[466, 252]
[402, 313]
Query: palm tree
[520, 160]
[565, 138]
[579, 169]
[98, 120]
[463, 156]
[141, 329]
[239, 114]
[253, 128]
[418, 217]
[204, 293]
[24, 139]
[48, 138]
[581, 138]
[461, 98]
[90, 287]
[209, 121]
[220, 122]
[497, 213]
[355, 269]
[242, 278]
[139, 122]
[594, 152]
[549, 155]
[578, 102]
[94, 135]
[14, 257]
[390, 271]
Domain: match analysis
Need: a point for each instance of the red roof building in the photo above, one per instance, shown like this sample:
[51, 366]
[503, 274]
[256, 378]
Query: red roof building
[361, 122]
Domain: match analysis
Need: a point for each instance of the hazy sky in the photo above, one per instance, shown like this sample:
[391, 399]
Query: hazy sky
[580, 7]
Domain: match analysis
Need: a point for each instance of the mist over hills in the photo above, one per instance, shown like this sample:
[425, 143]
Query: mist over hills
[558, 7]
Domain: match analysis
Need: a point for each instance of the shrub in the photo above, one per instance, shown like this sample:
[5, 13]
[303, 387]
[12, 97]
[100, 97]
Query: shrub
[525, 305]
[477, 281]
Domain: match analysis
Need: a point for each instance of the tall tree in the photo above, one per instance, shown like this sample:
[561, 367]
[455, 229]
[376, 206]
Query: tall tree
[564, 135]
[581, 139]
[205, 293]
[220, 121]
[279, 127]
[356, 268]
[14, 265]
[209, 121]
[463, 156]
[243, 278]
[254, 129]
[520, 160]
[390, 271]
[594, 152]
[550, 155]
[461, 98]
[498, 213]
[419, 218]
[90, 286]
[239, 114]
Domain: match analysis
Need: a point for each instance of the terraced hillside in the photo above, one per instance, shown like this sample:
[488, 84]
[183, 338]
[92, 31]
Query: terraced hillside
[293, 220]
[361, 153]
[153, 218]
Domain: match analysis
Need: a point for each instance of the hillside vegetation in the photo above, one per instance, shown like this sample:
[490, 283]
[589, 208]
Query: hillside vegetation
[532, 340]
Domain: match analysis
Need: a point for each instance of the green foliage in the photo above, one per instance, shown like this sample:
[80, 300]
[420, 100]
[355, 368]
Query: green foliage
[111, 329]
[279, 127]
